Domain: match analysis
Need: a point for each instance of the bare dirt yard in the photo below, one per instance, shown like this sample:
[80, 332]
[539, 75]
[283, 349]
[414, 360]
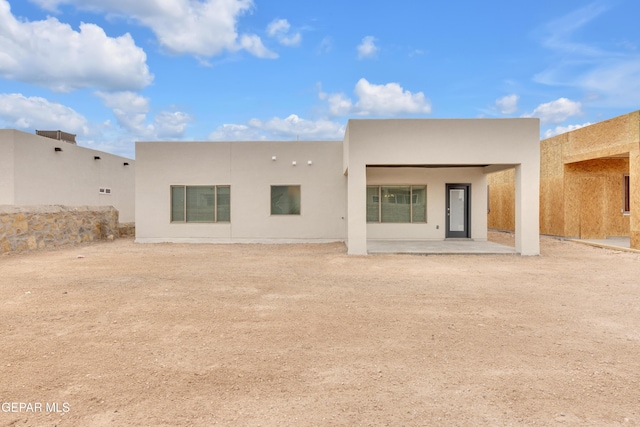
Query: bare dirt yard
[304, 335]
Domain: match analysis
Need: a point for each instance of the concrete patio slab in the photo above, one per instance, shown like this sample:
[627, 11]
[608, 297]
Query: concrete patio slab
[617, 243]
[437, 247]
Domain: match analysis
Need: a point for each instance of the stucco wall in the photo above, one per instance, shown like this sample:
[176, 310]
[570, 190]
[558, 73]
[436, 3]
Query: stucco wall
[480, 143]
[42, 176]
[7, 189]
[72, 177]
[248, 168]
[435, 179]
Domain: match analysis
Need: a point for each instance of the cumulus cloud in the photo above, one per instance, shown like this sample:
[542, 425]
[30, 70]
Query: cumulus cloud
[198, 27]
[377, 100]
[171, 124]
[280, 30]
[556, 111]
[508, 104]
[367, 48]
[291, 127]
[52, 54]
[131, 111]
[563, 129]
[30, 113]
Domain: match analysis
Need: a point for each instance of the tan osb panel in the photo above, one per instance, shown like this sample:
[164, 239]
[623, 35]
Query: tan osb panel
[551, 157]
[615, 222]
[551, 206]
[501, 200]
[634, 193]
[592, 208]
[610, 195]
[502, 207]
[571, 197]
[602, 135]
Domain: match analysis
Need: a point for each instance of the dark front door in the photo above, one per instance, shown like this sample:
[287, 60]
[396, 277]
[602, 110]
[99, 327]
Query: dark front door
[458, 207]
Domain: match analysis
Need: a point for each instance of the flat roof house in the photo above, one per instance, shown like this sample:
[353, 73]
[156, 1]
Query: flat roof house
[395, 179]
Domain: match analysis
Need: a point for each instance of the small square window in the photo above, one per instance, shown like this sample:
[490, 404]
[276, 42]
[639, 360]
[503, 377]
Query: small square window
[285, 200]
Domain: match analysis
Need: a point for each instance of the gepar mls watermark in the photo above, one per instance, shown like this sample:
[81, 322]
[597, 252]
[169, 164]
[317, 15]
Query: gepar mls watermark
[33, 407]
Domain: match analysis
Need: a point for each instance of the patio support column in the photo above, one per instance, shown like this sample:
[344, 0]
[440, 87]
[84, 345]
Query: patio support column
[527, 208]
[357, 210]
[634, 195]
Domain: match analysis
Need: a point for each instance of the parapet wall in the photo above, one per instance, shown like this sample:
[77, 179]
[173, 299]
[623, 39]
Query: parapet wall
[27, 228]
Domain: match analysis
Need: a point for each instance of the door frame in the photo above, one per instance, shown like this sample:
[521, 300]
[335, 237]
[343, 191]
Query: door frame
[466, 233]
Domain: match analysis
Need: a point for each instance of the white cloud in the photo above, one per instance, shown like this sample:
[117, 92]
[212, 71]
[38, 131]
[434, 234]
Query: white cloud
[289, 128]
[378, 100]
[279, 29]
[31, 113]
[367, 48]
[563, 129]
[556, 111]
[171, 125]
[508, 104]
[131, 111]
[197, 27]
[253, 45]
[389, 99]
[233, 132]
[325, 46]
[52, 54]
[609, 74]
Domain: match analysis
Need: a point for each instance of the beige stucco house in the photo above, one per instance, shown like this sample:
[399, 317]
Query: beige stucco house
[54, 170]
[407, 179]
[589, 183]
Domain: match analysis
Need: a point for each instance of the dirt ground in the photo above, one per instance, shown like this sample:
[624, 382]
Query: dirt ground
[304, 335]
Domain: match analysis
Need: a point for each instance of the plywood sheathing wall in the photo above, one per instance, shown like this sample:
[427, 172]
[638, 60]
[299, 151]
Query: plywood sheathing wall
[502, 203]
[634, 175]
[594, 194]
[605, 139]
[552, 188]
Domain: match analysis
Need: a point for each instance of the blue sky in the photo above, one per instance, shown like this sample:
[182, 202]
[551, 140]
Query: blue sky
[117, 71]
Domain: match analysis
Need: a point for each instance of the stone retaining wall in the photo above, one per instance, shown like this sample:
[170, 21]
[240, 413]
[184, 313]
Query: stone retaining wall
[127, 229]
[25, 228]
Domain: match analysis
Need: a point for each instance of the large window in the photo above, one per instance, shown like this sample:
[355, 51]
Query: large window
[201, 203]
[626, 194]
[397, 204]
[285, 200]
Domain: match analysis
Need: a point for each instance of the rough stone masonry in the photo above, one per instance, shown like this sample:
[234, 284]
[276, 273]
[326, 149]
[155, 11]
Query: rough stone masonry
[27, 228]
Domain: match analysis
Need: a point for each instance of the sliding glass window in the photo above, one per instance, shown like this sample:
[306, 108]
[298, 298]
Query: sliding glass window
[200, 203]
[397, 204]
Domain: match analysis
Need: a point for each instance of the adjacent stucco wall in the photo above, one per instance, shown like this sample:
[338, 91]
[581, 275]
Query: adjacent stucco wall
[435, 179]
[248, 168]
[7, 190]
[454, 142]
[42, 176]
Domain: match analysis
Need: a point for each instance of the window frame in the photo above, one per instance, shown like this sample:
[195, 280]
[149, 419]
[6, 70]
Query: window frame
[377, 199]
[271, 187]
[184, 204]
[626, 194]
